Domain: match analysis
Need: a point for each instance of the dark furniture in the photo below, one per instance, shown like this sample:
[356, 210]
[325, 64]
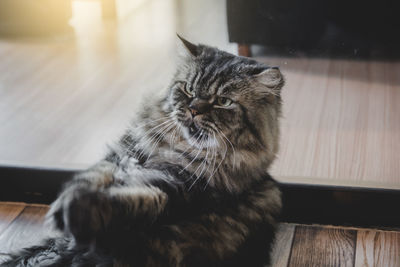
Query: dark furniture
[338, 26]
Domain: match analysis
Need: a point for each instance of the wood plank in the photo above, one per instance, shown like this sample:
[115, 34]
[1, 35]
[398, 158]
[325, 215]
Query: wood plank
[377, 248]
[317, 246]
[283, 245]
[8, 212]
[341, 120]
[26, 230]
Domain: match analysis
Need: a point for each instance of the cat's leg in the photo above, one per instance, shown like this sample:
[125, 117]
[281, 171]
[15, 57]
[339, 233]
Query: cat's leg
[96, 205]
[87, 183]
[109, 217]
[209, 241]
[234, 236]
[212, 240]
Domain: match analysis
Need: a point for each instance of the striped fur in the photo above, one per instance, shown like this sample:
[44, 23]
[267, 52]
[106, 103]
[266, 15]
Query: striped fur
[177, 189]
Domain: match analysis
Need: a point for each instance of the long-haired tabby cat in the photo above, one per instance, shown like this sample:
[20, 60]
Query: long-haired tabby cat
[187, 185]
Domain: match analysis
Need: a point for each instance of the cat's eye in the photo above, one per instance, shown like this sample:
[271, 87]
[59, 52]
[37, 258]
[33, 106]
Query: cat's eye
[189, 90]
[224, 102]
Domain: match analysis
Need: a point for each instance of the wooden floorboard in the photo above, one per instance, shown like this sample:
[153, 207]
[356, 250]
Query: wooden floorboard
[283, 245]
[340, 120]
[27, 229]
[377, 248]
[8, 212]
[318, 246]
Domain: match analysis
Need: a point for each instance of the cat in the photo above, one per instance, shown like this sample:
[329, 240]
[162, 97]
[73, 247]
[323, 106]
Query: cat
[187, 184]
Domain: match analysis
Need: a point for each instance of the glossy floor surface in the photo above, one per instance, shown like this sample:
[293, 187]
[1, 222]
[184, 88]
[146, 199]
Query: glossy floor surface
[63, 98]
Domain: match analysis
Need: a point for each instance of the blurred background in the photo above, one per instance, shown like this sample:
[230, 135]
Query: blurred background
[72, 73]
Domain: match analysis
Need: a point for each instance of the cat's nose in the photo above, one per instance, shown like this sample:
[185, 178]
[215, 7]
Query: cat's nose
[199, 106]
[193, 112]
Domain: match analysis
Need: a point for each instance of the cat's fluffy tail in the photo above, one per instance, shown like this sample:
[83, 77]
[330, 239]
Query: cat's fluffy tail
[55, 252]
[46, 254]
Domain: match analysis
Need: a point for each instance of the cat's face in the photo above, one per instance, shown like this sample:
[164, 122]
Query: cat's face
[217, 96]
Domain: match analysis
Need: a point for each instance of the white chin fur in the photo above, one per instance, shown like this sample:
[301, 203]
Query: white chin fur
[211, 141]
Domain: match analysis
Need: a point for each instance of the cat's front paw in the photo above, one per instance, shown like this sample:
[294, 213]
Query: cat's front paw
[82, 212]
[88, 215]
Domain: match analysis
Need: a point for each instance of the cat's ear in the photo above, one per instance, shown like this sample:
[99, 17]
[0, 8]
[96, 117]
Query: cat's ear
[270, 77]
[189, 48]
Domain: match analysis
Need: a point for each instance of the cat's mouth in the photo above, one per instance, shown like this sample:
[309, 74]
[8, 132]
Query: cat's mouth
[197, 136]
[195, 131]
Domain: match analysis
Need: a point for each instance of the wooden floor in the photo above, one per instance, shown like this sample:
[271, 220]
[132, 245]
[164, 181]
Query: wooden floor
[62, 99]
[296, 245]
[341, 122]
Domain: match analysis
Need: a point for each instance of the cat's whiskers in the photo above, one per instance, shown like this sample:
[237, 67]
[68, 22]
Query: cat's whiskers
[203, 163]
[213, 144]
[127, 149]
[189, 147]
[154, 139]
[212, 148]
[161, 137]
[222, 159]
[175, 134]
[233, 149]
[183, 152]
[198, 153]
[141, 125]
[214, 161]
[145, 143]
[172, 138]
[161, 127]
